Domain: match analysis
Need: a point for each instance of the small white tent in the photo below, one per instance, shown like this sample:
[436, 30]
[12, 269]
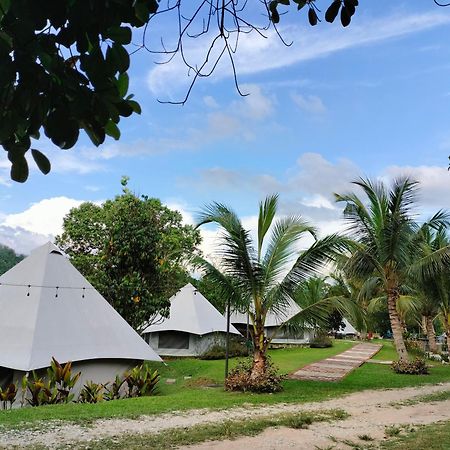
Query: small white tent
[349, 330]
[50, 310]
[272, 324]
[193, 326]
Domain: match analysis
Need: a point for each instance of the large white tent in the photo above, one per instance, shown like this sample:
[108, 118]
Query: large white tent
[192, 327]
[50, 310]
[272, 324]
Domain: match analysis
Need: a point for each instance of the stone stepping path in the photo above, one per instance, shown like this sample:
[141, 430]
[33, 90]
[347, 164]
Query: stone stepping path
[337, 367]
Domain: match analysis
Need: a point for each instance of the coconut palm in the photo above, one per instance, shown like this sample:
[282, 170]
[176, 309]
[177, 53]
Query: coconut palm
[433, 289]
[388, 251]
[262, 276]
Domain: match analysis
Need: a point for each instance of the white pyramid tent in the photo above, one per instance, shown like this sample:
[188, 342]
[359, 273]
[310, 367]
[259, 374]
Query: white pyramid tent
[50, 310]
[273, 322]
[193, 325]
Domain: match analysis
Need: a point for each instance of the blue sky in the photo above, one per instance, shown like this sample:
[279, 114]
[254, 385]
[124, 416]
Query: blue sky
[372, 99]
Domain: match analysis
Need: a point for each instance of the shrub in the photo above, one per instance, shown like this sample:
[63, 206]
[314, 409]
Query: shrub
[239, 378]
[217, 351]
[8, 395]
[415, 347]
[321, 341]
[42, 392]
[141, 381]
[60, 376]
[416, 367]
[91, 393]
[113, 390]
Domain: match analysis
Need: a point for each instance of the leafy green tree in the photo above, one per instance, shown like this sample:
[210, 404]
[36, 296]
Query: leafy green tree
[64, 63]
[389, 254]
[132, 249]
[8, 258]
[432, 290]
[263, 276]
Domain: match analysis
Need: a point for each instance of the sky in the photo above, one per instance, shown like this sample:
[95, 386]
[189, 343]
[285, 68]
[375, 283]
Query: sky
[369, 100]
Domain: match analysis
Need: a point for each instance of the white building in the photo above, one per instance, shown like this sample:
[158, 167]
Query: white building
[193, 326]
[50, 310]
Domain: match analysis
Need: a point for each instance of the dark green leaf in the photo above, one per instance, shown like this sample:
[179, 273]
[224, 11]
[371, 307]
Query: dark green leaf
[312, 17]
[332, 11]
[345, 17]
[135, 106]
[41, 161]
[112, 130]
[120, 35]
[350, 7]
[19, 170]
[118, 58]
[122, 84]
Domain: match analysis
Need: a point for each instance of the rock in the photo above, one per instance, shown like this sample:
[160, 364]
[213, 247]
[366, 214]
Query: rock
[171, 381]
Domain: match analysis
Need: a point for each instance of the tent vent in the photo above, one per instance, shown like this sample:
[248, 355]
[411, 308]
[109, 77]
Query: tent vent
[56, 252]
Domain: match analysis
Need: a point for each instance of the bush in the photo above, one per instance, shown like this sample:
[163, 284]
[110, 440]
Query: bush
[321, 341]
[217, 351]
[113, 390]
[416, 367]
[415, 347]
[91, 393]
[141, 381]
[239, 378]
[8, 395]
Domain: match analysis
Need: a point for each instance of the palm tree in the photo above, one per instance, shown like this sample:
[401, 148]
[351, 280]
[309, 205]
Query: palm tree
[433, 289]
[262, 277]
[388, 251]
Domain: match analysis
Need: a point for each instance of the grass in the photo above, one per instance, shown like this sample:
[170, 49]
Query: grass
[229, 429]
[436, 397]
[191, 393]
[430, 437]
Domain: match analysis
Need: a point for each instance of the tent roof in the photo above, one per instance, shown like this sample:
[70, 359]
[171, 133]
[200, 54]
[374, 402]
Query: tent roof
[349, 328]
[50, 310]
[192, 313]
[272, 319]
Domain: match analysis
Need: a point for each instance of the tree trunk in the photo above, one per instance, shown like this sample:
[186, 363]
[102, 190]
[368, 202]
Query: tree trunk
[431, 335]
[447, 332]
[259, 353]
[423, 325]
[396, 325]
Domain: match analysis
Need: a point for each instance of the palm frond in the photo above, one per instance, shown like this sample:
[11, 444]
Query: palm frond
[267, 211]
[282, 249]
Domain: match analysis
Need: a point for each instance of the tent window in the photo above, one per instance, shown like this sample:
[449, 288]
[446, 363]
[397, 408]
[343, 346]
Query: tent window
[173, 339]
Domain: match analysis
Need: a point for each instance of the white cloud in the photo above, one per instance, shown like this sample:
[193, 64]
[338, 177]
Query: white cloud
[309, 103]
[44, 217]
[20, 240]
[434, 185]
[210, 101]
[255, 105]
[256, 54]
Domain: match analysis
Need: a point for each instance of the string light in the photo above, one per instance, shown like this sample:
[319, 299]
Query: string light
[43, 286]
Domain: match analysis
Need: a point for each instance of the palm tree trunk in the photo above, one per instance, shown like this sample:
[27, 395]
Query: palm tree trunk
[396, 325]
[431, 335]
[259, 353]
[447, 332]
[423, 325]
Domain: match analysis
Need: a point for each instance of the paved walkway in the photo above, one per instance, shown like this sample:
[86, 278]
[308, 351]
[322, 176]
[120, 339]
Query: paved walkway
[337, 367]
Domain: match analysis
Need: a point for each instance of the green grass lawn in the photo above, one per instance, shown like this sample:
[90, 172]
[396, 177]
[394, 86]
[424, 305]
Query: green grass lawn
[430, 437]
[194, 393]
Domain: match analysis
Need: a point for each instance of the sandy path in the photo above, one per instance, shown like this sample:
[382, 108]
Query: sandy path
[370, 412]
